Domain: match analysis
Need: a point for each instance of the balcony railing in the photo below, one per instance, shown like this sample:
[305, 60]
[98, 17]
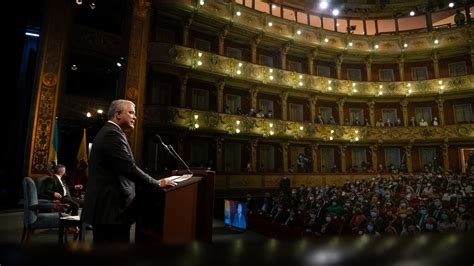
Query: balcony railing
[274, 128]
[390, 42]
[266, 76]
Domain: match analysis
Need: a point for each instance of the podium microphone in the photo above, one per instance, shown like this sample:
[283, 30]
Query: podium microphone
[181, 159]
[172, 151]
[165, 146]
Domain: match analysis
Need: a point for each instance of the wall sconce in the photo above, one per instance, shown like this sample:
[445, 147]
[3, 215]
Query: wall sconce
[298, 132]
[193, 123]
[233, 128]
[268, 130]
[196, 59]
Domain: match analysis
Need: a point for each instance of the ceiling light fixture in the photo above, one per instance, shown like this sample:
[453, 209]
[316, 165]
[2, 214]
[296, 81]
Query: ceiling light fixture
[323, 4]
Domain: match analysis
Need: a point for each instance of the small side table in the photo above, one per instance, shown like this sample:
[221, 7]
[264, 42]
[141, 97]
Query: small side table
[68, 221]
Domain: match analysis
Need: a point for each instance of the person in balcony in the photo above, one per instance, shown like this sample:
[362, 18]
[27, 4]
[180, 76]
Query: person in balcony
[367, 122]
[332, 121]
[398, 123]
[435, 121]
[239, 111]
[303, 164]
[388, 123]
[269, 114]
[260, 114]
[347, 122]
[459, 18]
[252, 112]
[412, 121]
[227, 109]
[319, 119]
[423, 123]
[379, 123]
[356, 122]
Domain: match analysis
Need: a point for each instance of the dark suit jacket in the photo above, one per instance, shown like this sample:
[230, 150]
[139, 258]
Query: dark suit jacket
[112, 177]
[49, 186]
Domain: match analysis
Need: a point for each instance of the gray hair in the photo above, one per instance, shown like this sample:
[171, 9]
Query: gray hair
[117, 106]
[58, 167]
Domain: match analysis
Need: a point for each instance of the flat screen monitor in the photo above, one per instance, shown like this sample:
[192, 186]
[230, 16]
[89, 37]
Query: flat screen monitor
[235, 214]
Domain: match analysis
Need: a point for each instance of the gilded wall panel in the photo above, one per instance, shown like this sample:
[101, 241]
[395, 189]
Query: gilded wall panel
[244, 181]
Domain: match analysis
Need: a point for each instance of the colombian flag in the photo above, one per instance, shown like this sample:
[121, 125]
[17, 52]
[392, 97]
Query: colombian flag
[53, 147]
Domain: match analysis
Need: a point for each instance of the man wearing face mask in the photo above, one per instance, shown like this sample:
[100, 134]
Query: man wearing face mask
[334, 208]
[371, 230]
[430, 226]
[358, 221]
[445, 225]
[311, 205]
[422, 215]
[436, 208]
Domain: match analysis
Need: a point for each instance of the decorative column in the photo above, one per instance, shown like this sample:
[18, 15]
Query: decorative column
[314, 156]
[220, 95]
[222, 34]
[429, 20]
[311, 56]
[253, 45]
[373, 152]
[340, 105]
[253, 153]
[343, 149]
[253, 98]
[404, 104]
[186, 27]
[371, 105]
[312, 104]
[435, 58]
[472, 59]
[440, 103]
[219, 153]
[283, 51]
[472, 47]
[368, 66]
[136, 70]
[339, 59]
[284, 105]
[284, 153]
[401, 67]
[408, 149]
[467, 12]
[182, 91]
[56, 25]
[445, 148]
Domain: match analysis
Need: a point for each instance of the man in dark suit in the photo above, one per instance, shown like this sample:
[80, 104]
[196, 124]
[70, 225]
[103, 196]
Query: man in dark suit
[113, 175]
[55, 188]
[239, 218]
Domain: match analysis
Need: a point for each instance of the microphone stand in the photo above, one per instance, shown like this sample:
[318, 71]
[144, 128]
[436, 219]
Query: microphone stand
[173, 153]
[181, 159]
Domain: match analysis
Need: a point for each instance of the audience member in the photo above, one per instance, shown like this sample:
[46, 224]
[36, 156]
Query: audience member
[459, 18]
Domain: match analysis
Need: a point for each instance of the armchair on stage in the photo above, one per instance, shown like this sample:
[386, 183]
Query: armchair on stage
[180, 214]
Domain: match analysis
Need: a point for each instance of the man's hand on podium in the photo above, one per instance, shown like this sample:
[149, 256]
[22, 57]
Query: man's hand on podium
[166, 182]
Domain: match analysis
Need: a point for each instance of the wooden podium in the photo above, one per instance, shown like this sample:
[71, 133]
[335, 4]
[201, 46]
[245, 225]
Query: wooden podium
[180, 214]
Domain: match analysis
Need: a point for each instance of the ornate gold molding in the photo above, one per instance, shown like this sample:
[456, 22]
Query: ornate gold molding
[286, 129]
[297, 82]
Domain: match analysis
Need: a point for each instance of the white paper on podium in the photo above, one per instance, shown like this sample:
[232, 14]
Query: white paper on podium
[180, 178]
